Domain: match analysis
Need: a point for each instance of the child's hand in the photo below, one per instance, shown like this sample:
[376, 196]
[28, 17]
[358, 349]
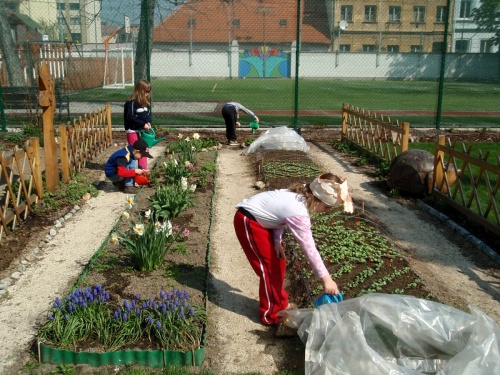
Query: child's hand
[238, 124]
[147, 126]
[256, 119]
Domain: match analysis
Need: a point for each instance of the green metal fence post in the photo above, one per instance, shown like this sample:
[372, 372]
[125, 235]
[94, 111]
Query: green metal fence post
[297, 55]
[443, 67]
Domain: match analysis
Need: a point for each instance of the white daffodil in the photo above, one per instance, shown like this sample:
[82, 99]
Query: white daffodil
[125, 215]
[187, 163]
[158, 227]
[193, 148]
[147, 214]
[187, 139]
[196, 136]
[139, 229]
[130, 201]
[113, 238]
[184, 183]
[192, 188]
[167, 228]
[179, 136]
[175, 161]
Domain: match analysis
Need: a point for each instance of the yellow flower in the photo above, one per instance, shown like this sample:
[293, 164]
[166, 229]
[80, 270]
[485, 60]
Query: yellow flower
[139, 229]
[125, 215]
[114, 238]
[196, 136]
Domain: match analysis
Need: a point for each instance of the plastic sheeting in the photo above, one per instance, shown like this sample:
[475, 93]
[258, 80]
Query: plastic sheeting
[396, 335]
[281, 138]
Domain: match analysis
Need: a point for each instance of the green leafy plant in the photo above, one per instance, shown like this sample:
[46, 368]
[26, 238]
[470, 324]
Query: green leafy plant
[170, 200]
[69, 193]
[148, 241]
[90, 314]
[175, 170]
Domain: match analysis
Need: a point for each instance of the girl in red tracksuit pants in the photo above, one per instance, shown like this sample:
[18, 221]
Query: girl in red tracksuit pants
[259, 224]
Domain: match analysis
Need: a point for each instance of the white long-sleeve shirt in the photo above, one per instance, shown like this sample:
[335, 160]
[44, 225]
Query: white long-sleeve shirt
[277, 209]
[239, 107]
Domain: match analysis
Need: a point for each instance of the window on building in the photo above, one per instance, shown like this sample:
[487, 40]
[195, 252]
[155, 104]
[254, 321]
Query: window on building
[394, 14]
[282, 22]
[419, 14]
[74, 6]
[461, 46]
[438, 47]
[465, 9]
[345, 48]
[192, 21]
[368, 48]
[441, 14]
[61, 6]
[393, 48]
[74, 21]
[346, 13]
[371, 13]
[486, 46]
[416, 48]
[76, 37]
[236, 22]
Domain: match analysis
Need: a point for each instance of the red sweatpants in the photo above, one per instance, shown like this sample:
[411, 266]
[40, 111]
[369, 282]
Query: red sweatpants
[258, 246]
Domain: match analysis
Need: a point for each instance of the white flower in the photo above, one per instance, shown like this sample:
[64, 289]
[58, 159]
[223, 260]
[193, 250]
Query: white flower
[139, 229]
[147, 214]
[192, 188]
[114, 238]
[187, 139]
[196, 136]
[184, 183]
[179, 136]
[187, 163]
[125, 215]
[167, 227]
[175, 161]
[130, 201]
[158, 227]
[193, 148]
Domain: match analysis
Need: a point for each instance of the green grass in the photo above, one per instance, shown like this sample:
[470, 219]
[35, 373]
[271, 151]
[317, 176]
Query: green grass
[318, 95]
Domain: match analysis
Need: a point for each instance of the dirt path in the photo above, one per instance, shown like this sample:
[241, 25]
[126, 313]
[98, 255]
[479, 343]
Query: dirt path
[236, 341]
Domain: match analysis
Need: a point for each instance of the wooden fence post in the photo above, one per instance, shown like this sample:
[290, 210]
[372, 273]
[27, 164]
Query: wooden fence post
[406, 136]
[438, 165]
[32, 147]
[345, 107]
[109, 140]
[63, 148]
[48, 102]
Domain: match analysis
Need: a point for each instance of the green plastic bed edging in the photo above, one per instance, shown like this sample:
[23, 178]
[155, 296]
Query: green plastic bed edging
[149, 358]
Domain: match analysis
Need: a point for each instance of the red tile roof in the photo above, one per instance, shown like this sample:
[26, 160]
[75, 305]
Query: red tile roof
[258, 20]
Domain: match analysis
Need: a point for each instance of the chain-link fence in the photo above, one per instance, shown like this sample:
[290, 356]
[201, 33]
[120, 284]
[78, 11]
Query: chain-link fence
[293, 62]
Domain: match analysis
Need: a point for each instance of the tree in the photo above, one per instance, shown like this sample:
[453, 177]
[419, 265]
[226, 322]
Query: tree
[145, 39]
[487, 17]
[8, 47]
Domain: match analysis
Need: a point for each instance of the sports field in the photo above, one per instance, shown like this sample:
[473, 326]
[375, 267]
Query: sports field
[319, 102]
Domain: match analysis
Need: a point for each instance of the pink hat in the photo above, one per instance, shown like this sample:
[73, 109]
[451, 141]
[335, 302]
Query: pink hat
[332, 193]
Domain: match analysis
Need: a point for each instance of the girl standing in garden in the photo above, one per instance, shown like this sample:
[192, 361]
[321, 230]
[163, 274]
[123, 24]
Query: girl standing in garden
[259, 223]
[137, 117]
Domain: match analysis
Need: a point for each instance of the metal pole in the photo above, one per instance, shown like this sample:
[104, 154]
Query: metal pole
[297, 56]
[443, 67]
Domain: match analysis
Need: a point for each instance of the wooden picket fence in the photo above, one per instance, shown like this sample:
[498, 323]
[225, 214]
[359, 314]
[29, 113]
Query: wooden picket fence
[20, 184]
[84, 139]
[381, 136]
[476, 191]
[21, 170]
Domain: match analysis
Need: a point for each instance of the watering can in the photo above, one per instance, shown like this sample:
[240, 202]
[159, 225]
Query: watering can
[254, 125]
[149, 136]
[328, 298]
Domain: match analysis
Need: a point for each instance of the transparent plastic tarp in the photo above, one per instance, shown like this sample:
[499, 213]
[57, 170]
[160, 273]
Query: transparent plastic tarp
[393, 334]
[281, 138]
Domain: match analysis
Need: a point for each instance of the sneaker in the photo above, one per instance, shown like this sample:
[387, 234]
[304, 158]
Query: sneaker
[130, 190]
[120, 185]
[233, 143]
[282, 330]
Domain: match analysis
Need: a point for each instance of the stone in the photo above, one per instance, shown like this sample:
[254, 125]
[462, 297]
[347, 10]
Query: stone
[16, 275]
[58, 224]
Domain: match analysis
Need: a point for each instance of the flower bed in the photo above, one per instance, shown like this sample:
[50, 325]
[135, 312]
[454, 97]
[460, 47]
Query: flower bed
[142, 297]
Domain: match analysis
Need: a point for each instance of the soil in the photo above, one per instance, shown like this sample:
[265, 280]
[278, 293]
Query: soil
[237, 343]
